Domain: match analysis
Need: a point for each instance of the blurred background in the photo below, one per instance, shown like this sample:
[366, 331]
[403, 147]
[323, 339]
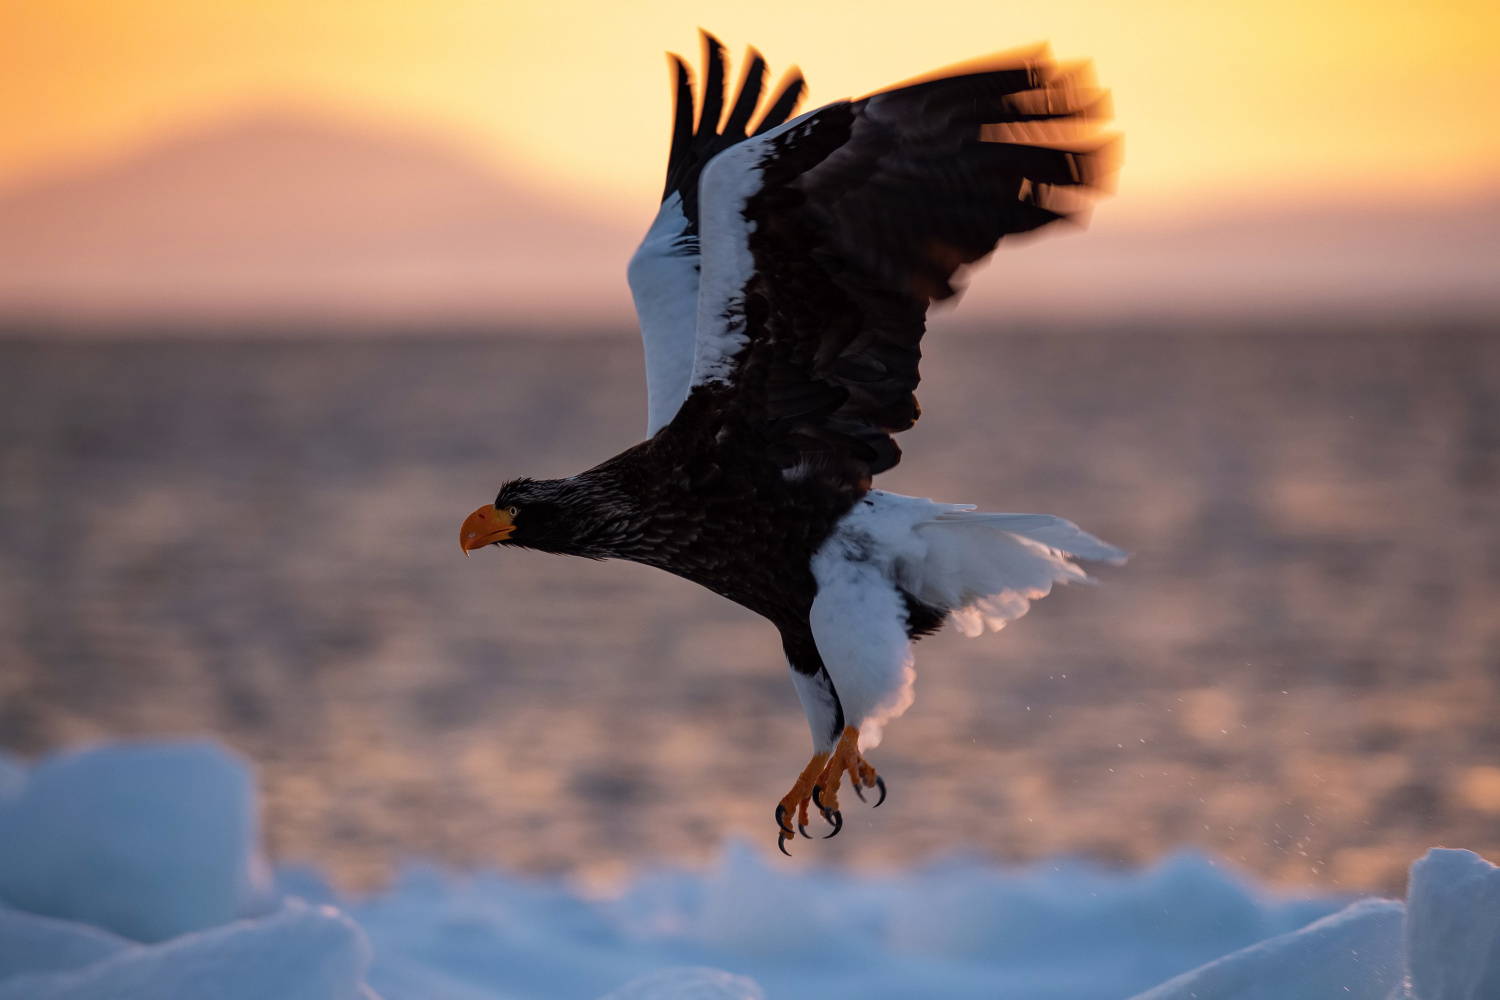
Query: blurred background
[288, 288]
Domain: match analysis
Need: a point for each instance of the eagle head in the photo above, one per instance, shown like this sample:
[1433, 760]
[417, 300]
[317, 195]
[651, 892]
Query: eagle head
[548, 514]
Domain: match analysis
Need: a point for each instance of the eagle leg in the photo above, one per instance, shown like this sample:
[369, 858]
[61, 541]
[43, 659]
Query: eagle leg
[818, 784]
[794, 804]
[845, 757]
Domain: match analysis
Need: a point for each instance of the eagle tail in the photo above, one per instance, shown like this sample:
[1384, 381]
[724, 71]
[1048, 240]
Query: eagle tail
[988, 568]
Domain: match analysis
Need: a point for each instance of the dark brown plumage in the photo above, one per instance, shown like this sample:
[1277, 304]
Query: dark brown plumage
[700, 500]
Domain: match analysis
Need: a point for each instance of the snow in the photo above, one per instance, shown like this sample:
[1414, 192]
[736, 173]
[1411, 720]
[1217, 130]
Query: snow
[82, 839]
[31, 943]
[1454, 935]
[1355, 953]
[299, 953]
[132, 871]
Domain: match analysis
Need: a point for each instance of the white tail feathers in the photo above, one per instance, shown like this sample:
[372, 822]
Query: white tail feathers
[985, 569]
[988, 568]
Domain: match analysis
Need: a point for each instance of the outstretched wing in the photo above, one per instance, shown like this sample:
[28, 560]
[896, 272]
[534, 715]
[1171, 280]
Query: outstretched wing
[663, 273]
[823, 242]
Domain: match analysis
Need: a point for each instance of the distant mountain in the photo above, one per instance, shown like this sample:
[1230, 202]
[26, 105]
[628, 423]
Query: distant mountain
[305, 222]
[281, 218]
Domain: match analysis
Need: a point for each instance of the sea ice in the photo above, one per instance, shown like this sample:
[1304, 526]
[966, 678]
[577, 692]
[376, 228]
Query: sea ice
[1066, 930]
[149, 840]
[301, 952]
[1453, 931]
[31, 943]
[1354, 954]
[156, 842]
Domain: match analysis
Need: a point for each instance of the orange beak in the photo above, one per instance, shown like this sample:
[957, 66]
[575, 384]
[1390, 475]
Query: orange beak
[485, 526]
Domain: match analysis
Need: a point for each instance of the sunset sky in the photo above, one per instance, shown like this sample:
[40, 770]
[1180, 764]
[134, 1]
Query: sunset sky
[1237, 101]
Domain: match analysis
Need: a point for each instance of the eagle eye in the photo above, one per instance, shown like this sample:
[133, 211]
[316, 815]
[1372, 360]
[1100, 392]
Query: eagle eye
[512, 511]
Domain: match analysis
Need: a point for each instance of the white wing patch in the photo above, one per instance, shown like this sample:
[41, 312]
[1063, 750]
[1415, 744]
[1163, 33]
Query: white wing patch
[985, 568]
[726, 186]
[690, 295]
[663, 277]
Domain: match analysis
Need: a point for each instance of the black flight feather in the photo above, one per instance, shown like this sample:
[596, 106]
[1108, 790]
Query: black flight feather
[752, 86]
[682, 118]
[784, 104]
[713, 90]
[866, 212]
[693, 147]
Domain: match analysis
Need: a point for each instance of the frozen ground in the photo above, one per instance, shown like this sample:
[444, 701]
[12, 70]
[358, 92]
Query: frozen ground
[133, 871]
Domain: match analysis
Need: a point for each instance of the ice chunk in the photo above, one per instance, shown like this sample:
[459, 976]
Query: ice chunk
[689, 984]
[300, 953]
[1453, 927]
[29, 943]
[1355, 954]
[149, 840]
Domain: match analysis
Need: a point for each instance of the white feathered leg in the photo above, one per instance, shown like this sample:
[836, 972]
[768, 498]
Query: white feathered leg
[859, 623]
[821, 706]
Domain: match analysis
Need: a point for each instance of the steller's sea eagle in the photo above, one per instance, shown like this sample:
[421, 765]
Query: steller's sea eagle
[782, 293]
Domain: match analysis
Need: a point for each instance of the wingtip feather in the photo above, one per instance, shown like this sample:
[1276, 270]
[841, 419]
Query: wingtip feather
[752, 85]
[682, 116]
[715, 59]
[789, 94]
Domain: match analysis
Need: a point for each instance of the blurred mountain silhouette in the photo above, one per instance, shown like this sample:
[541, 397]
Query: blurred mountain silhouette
[289, 220]
[283, 217]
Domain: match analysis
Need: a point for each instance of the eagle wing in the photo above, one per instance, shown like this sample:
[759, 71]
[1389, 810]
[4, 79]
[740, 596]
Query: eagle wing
[664, 272]
[822, 241]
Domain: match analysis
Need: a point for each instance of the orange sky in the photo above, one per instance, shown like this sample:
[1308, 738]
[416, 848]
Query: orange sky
[1267, 100]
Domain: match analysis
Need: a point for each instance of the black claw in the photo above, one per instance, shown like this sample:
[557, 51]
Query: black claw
[782, 824]
[829, 815]
[803, 830]
[837, 820]
[781, 843]
[858, 791]
[880, 784]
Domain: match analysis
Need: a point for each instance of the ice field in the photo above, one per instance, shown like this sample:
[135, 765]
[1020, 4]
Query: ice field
[133, 871]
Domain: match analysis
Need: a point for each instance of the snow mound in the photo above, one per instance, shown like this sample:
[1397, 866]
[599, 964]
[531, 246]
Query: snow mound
[131, 872]
[1453, 934]
[300, 953]
[29, 943]
[1355, 953]
[149, 840]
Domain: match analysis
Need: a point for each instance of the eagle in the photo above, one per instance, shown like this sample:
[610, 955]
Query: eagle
[782, 294]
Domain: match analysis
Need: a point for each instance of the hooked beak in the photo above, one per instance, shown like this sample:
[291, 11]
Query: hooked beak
[485, 526]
